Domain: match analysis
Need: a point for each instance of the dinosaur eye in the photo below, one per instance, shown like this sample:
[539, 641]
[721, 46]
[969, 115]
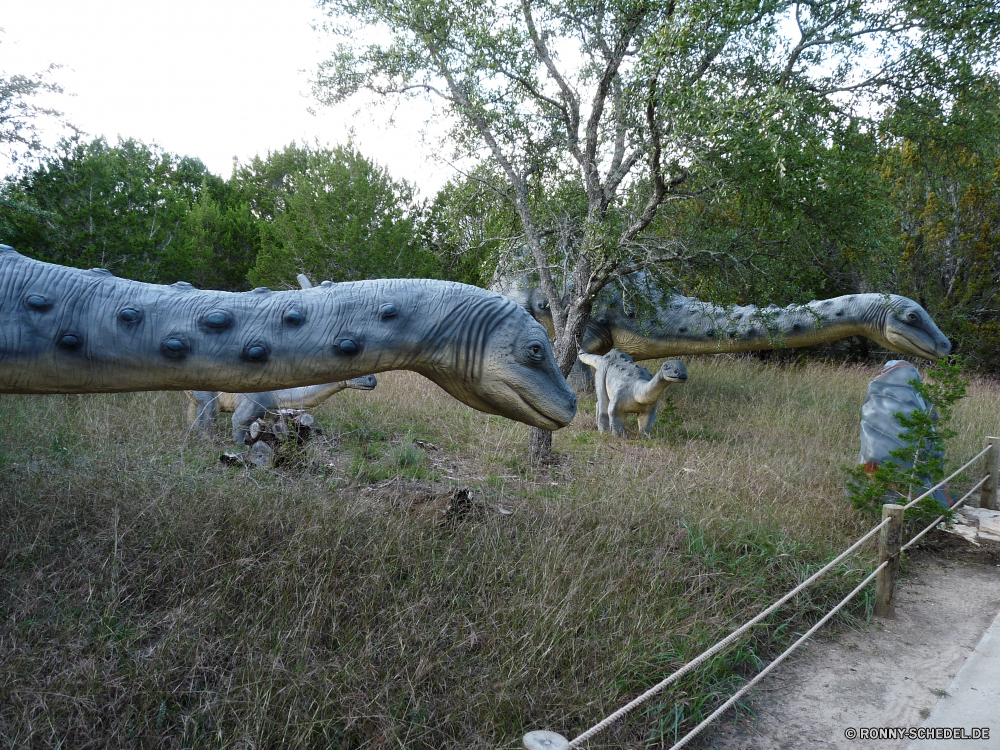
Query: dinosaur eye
[602, 320]
[911, 317]
[534, 353]
[544, 304]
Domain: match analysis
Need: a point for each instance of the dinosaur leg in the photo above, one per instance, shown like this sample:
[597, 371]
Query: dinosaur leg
[247, 410]
[603, 421]
[617, 423]
[646, 421]
[202, 410]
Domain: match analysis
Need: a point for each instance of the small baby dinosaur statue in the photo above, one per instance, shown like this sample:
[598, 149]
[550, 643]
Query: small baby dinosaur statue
[623, 387]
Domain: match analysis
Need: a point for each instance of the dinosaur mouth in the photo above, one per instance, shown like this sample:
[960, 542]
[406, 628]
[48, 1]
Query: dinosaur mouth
[928, 349]
[545, 421]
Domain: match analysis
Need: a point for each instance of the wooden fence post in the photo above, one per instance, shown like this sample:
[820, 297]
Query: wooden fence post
[889, 540]
[988, 494]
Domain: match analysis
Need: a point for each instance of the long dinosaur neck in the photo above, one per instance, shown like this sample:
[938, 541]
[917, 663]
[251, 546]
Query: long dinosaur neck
[650, 392]
[64, 330]
[308, 396]
[689, 326]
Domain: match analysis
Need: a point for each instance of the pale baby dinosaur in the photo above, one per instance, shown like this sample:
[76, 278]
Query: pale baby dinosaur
[623, 387]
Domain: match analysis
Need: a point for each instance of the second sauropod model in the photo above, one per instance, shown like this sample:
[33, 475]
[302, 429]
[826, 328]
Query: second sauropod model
[205, 406]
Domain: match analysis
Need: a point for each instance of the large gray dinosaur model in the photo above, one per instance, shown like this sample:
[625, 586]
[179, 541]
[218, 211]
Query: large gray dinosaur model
[63, 330]
[623, 387]
[684, 325]
[205, 406]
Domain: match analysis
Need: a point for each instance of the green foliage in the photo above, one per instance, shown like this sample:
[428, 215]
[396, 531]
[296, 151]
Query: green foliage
[218, 239]
[132, 208]
[941, 165]
[921, 463]
[20, 111]
[471, 227]
[333, 214]
[601, 122]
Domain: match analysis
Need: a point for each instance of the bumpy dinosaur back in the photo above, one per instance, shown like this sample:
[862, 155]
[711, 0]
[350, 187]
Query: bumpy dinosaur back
[63, 330]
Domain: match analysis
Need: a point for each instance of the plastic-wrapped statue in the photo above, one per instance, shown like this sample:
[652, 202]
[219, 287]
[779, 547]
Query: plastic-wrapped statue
[890, 393]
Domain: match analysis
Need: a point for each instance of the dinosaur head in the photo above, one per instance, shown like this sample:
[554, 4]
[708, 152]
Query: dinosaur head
[674, 371]
[507, 363]
[364, 383]
[611, 326]
[536, 303]
[908, 329]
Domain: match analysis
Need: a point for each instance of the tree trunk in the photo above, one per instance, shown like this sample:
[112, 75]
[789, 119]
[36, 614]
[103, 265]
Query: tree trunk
[539, 444]
[566, 347]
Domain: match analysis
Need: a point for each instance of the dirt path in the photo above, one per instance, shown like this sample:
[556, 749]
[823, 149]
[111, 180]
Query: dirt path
[890, 674]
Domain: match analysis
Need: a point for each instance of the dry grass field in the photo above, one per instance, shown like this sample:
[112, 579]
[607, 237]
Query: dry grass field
[151, 597]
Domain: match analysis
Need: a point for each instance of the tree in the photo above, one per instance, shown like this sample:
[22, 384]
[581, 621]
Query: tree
[119, 207]
[20, 111]
[645, 104]
[941, 165]
[333, 214]
[218, 239]
[472, 229]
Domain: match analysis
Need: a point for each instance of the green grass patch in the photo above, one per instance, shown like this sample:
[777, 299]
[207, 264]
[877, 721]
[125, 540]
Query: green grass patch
[150, 596]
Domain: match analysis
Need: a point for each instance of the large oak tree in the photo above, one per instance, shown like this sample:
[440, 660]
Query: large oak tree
[647, 103]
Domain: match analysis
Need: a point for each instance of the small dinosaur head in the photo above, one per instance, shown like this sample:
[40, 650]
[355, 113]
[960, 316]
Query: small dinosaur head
[364, 383]
[507, 363]
[674, 371]
[908, 329]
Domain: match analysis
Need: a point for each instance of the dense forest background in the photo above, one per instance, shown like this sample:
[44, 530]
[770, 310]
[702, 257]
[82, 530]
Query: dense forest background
[908, 204]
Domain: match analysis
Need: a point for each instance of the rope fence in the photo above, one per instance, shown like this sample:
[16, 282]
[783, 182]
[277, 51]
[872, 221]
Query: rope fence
[890, 531]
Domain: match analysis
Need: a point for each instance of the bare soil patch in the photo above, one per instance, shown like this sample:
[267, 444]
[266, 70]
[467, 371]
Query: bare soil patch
[890, 674]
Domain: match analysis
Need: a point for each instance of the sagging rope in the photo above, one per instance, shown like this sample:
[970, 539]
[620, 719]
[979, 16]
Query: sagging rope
[691, 665]
[544, 740]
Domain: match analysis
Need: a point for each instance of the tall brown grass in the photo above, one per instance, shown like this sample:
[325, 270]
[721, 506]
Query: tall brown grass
[151, 597]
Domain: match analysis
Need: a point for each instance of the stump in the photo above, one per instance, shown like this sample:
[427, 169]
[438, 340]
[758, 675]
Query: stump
[279, 438]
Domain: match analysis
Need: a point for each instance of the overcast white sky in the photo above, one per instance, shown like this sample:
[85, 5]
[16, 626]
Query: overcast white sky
[207, 78]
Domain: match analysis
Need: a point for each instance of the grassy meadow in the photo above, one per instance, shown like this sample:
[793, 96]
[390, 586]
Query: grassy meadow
[152, 597]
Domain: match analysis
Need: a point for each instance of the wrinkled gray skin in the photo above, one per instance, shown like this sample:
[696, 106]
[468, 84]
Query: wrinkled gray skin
[204, 406]
[685, 325]
[63, 330]
[623, 387]
[891, 393]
